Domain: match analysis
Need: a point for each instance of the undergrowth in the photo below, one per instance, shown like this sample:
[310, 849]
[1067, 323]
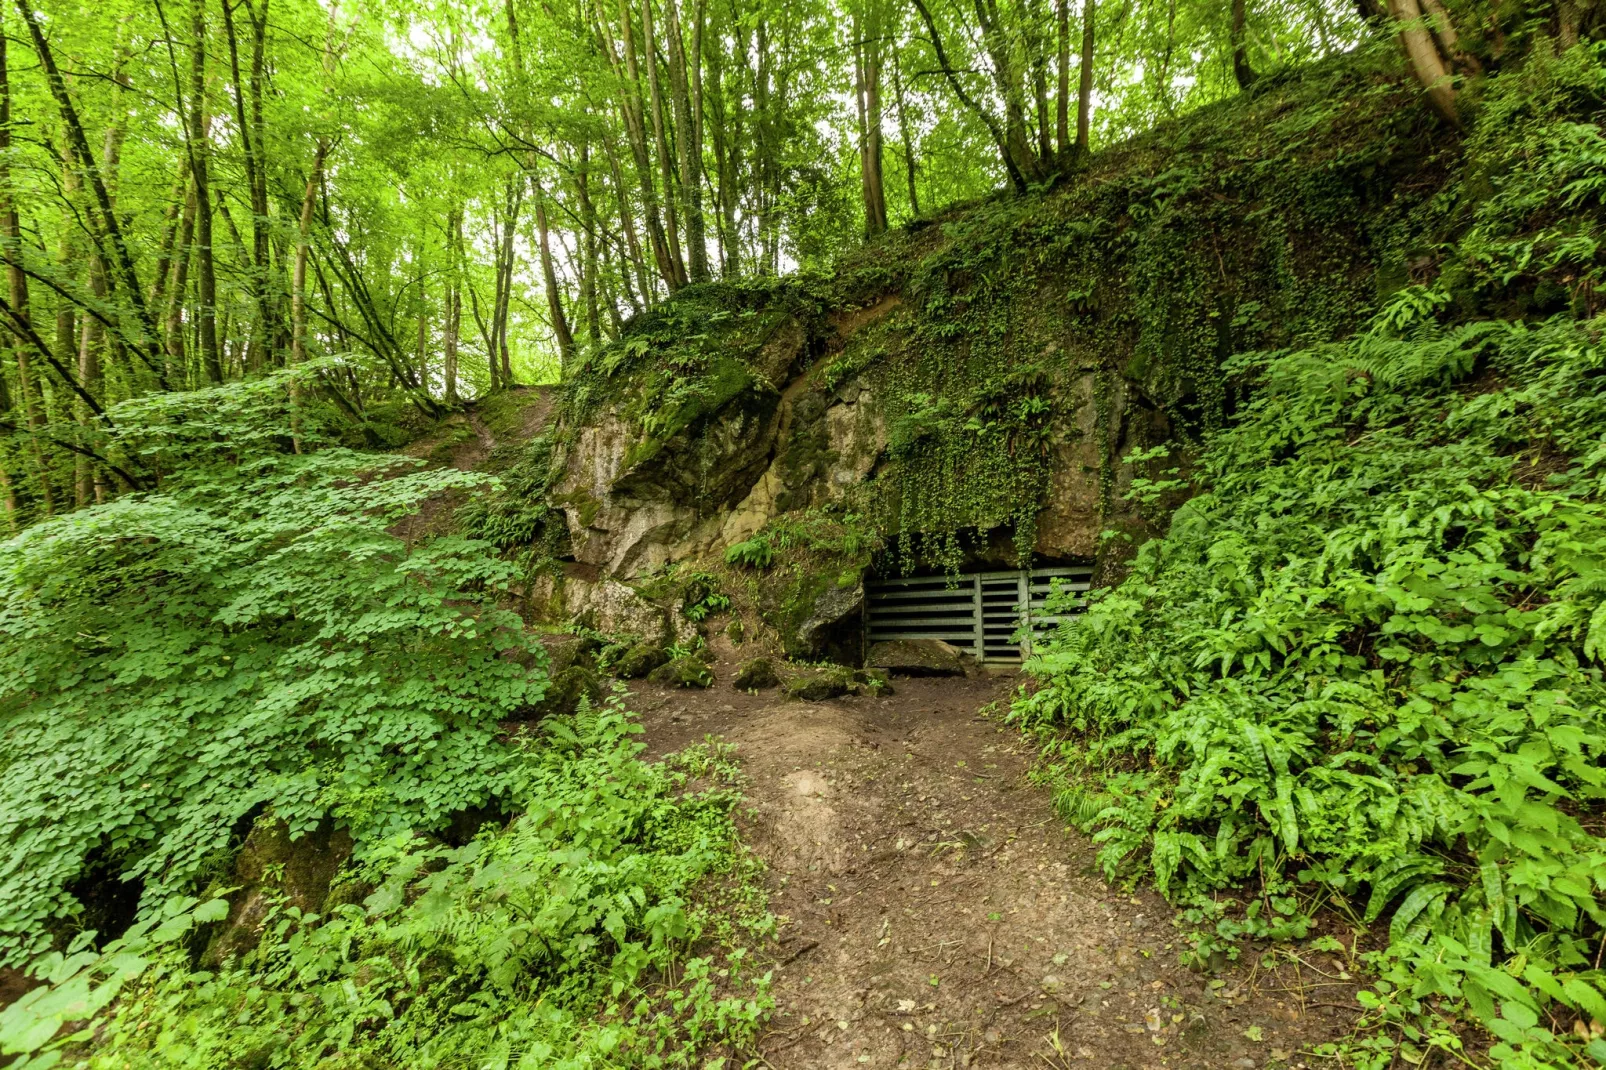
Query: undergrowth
[605, 926]
[1363, 669]
[252, 636]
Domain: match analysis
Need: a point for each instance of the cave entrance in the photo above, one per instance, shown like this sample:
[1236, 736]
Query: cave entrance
[993, 616]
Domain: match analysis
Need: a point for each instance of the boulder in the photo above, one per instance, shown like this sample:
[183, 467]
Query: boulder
[835, 608]
[565, 691]
[640, 660]
[920, 657]
[819, 684]
[684, 671]
[271, 866]
[565, 651]
[756, 674]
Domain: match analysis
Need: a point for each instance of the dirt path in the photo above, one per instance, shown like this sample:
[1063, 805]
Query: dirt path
[939, 915]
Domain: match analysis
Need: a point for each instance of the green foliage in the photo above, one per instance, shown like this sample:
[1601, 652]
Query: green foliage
[755, 552]
[604, 926]
[252, 636]
[516, 515]
[1368, 658]
[702, 597]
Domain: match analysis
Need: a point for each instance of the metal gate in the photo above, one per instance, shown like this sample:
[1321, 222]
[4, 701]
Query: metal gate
[981, 613]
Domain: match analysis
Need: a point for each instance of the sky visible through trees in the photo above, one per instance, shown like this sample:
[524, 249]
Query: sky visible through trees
[454, 197]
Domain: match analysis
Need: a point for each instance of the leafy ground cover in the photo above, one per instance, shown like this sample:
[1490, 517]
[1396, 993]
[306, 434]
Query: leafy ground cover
[1363, 670]
[603, 927]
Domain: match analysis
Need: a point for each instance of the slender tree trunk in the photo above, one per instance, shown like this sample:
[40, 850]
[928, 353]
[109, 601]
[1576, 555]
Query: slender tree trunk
[1062, 87]
[109, 224]
[505, 277]
[454, 303]
[867, 70]
[298, 273]
[1241, 70]
[588, 256]
[905, 136]
[89, 488]
[179, 290]
[627, 220]
[1426, 61]
[635, 131]
[726, 134]
[687, 146]
[1008, 83]
[249, 131]
[206, 274]
[660, 133]
[29, 393]
[423, 327]
[1084, 90]
[549, 277]
[1000, 140]
[1038, 61]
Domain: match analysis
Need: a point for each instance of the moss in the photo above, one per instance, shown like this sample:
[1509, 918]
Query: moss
[1271, 219]
[688, 670]
[640, 660]
[756, 674]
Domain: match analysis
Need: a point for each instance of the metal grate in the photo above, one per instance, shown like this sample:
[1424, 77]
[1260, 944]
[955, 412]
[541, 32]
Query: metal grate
[981, 613]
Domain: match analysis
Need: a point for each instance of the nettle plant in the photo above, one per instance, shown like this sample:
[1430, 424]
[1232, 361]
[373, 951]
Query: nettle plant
[252, 637]
[1365, 668]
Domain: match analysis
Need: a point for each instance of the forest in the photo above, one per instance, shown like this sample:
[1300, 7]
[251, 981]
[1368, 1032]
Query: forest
[413, 416]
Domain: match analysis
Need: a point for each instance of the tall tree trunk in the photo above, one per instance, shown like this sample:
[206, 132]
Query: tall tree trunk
[660, 133]
[179, 290]
[1084, 88]
[249, 131]
[688, 147]
[454, 303]
[90, 488]
[635, 132]
[727, 154]
[549, 277]
[1425, 58]
[29, 393]
[904, 136]
[108, 223]
[1037, 56]
[867, 85]
[1241, 70]
[1008, 83]
[627, 219]
[1000, 140]
[505, 277]
[588, 256]
[298, 273]
[206, 272]
[1062, 87]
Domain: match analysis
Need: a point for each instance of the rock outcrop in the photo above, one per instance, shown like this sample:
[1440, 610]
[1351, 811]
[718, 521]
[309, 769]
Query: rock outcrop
[966, 391]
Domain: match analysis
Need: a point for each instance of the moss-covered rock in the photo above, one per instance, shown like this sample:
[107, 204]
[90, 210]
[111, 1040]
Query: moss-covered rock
[756, 674]
[920, 657]
[688, 670]
[270, 867]
[566, 690]
[819, 683]
[640, 660]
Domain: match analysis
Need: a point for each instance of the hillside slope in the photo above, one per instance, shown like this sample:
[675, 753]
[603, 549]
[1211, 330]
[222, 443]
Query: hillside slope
[966, 389]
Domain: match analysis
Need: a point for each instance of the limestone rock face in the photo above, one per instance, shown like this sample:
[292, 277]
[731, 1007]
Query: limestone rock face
[658, 474]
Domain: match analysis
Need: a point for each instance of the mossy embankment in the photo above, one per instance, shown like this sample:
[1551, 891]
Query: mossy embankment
[966, 387]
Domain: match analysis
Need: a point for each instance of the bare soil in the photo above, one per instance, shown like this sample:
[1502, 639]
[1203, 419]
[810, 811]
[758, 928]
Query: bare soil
[937, 913]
